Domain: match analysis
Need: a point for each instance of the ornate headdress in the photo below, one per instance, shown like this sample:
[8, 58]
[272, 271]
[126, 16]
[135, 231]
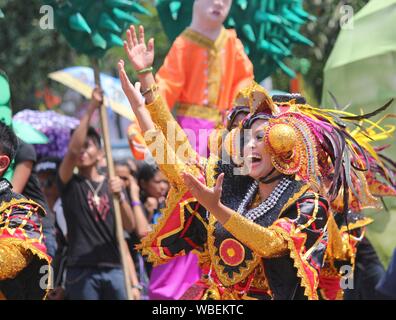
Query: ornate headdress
[315, 145]
[253, 99]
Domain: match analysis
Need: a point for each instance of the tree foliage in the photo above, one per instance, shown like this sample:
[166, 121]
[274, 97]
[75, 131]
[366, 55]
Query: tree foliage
[27, 52]
[323, 32]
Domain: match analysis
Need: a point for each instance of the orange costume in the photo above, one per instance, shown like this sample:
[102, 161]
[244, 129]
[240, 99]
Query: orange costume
[202, 77]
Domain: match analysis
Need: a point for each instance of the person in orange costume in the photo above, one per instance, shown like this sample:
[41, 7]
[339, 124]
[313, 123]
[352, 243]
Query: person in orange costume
[203, 71]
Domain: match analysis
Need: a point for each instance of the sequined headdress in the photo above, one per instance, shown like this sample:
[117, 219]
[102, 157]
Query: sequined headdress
[316, 146]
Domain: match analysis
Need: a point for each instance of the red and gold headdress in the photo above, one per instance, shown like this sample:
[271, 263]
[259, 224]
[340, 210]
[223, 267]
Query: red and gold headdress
[316, 146]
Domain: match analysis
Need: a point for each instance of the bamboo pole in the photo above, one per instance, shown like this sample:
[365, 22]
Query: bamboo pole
[111, 172]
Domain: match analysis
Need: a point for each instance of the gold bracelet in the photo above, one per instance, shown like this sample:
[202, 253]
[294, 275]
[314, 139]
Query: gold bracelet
[152, 89]
[145, 70]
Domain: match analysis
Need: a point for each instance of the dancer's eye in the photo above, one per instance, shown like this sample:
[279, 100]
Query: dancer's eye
[259, 136]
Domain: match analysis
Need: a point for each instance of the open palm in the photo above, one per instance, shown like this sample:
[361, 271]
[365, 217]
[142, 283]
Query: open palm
[208, 197]
[132, 92]
[140, 55]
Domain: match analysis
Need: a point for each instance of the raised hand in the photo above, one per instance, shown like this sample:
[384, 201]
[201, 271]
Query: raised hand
[134, 189]
[96, 98]
[140, 55]
[132, 92]
[209, 198]
[135, 98]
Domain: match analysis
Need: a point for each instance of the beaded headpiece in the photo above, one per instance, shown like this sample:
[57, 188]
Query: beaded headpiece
[316, 146]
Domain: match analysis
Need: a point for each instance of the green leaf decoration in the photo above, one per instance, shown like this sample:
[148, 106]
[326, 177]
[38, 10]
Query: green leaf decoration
[106, 22]
[22, 130]
[78, 23]
[92, 27]
[5, 98]
[268, 29]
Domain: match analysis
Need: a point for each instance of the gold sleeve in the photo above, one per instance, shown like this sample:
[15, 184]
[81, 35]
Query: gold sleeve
[338, 246]
[165, 121]
[13, 259]
[266, 242]
[167, 160]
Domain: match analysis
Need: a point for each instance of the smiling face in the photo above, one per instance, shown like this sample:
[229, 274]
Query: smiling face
[256, 156]
[212, 12]
[90, 154]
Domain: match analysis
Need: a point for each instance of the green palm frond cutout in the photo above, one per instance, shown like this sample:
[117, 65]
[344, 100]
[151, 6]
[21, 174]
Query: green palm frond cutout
[92, 27]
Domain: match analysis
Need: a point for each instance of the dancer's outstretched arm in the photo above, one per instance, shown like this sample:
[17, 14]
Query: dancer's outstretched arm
[135, 99]
[141, 57]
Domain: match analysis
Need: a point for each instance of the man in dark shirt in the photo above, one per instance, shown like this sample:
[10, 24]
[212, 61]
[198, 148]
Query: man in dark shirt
[94, 266]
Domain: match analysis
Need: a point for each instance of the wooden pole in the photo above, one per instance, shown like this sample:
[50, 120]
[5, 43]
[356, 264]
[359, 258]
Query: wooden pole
[111, 172]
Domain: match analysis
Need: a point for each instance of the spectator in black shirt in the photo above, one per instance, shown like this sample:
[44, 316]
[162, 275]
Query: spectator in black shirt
[93, 265]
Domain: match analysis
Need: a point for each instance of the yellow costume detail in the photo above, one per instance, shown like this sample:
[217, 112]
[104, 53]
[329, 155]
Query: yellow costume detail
[264, 241]
[13, 259]
[282, 138]
[165, 121]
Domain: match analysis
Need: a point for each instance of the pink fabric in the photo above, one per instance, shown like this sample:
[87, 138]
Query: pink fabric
[171, 280]
[198, 131]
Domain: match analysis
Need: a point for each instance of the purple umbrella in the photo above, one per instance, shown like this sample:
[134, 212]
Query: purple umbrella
[55, 126]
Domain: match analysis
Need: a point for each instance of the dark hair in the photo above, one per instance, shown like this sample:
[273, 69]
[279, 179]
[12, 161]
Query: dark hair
[124, 163]
[233, 114]
[248, 122]
[147, 172]
[93, 135]
[121, 162]
[279, 98]
[8, 141]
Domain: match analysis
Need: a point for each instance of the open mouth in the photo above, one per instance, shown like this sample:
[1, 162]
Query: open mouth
[255, 158]
[216, 13]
